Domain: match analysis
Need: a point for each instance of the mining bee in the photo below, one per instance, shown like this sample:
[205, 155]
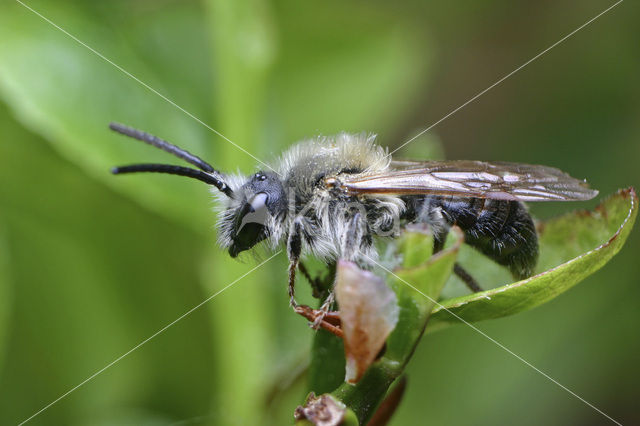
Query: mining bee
[329, 197]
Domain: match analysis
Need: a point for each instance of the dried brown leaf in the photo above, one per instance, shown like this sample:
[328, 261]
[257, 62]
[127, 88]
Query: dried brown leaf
[368, 312]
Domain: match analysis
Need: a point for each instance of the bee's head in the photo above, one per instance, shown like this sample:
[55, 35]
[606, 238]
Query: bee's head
[252, 212]
[252, 207]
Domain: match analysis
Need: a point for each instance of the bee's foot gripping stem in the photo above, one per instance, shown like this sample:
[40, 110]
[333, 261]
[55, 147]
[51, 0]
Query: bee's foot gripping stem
[319, 318]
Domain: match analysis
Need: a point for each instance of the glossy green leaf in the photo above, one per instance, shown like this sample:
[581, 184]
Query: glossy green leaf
[572, 247]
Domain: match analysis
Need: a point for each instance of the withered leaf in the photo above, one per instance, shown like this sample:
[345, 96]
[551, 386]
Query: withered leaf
[368, 312]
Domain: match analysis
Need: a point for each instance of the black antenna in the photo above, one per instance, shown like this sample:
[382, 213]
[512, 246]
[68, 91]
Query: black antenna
[163, 145]
[210, 175]
[175, 170]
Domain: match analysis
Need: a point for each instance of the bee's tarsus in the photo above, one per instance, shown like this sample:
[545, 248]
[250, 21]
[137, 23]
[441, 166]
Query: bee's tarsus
[329, 320]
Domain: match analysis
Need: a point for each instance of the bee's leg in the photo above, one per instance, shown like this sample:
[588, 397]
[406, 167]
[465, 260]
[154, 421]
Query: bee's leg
[438, 241]
[325, 308]
[318, 286]
[292, 283]
[466, 278]
[330, 321]
[438, 245]
[294, 249]
[307, 275]
[352, 238]
[320, 318]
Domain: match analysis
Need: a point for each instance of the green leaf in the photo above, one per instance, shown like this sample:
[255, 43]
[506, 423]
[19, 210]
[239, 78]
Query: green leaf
[326, 371]
[572, 247]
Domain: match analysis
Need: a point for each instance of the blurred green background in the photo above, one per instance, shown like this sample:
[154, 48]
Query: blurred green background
[91, 264]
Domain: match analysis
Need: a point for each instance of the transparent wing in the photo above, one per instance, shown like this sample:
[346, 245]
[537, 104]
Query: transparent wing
[478, 179]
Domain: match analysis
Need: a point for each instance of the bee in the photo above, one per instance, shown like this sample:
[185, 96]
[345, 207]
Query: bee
[330, 196]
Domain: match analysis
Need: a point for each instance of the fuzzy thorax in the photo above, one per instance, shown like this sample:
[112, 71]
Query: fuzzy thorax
[324, 214]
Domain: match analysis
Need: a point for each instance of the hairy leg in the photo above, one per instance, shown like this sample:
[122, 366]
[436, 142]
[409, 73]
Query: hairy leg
[466, 278]
[353, 238]
[294, 249]
[318, 284]
[319, 318]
